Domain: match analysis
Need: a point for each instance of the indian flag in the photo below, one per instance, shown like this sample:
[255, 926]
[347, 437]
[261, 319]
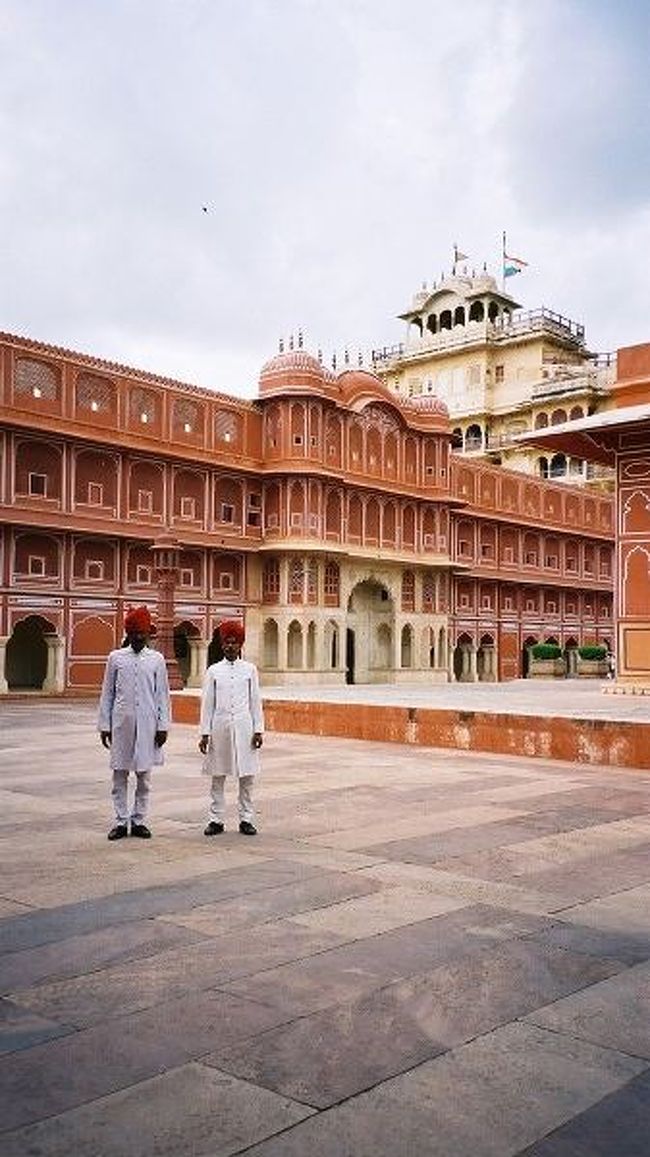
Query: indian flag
[512, 265]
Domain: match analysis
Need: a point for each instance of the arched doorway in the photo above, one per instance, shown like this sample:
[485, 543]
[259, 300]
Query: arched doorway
[571, 657]
[190, 653]
[486, 666]
[525, 655]
[370, 637]
[34, 656]
[464, 659]
[270, 644]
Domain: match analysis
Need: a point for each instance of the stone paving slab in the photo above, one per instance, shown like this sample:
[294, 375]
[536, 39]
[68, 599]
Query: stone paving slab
[312, 895]
[37, 928]
[122, 989]
[77, 955]
[566, 698]
[423, 953]
[332, 1055]
[626, 911]
[618, 1126]
[79, 1067]
[221, 1116]
[20, 1028]
[489, 1098]
[614, 1013]
[349, 970]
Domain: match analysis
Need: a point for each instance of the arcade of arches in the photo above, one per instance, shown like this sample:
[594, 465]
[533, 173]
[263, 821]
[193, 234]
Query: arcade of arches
[329, 513]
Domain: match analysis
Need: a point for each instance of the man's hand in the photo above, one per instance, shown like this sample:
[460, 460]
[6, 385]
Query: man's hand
[106, 738]
[203, 744]
[257, 739]
[161, 738]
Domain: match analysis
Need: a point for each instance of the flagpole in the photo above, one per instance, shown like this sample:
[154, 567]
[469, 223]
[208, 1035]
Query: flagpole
[503, 263]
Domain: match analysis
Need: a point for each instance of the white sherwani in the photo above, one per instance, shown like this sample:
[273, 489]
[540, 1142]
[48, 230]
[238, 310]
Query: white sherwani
[231, 711]
[134, 705]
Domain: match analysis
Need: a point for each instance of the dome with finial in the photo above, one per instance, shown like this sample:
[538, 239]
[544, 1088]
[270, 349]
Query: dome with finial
[429, 404]
[293, 370]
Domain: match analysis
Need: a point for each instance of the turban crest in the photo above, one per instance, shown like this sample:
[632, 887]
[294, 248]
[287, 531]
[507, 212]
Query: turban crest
[232, 628]
[138, 619]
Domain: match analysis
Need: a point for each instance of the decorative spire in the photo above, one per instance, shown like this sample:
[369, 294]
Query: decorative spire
[299, 339]
[360, 359]
[281, 346]
[291, 341]
[334, 361]
[320, 356]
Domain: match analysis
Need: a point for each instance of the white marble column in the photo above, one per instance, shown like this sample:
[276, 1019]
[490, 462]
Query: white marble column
[4, 686]
[282, 644]
[198, 649]
[54, 681]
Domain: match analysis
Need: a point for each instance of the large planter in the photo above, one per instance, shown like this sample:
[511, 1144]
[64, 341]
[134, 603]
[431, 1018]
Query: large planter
[592, 668]
[546, 668]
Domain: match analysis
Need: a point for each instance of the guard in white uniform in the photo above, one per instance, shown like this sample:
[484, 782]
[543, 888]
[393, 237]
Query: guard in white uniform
[134, 713]
[232, 726]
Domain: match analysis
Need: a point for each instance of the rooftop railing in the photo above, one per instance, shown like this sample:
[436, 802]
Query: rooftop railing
[502, 329]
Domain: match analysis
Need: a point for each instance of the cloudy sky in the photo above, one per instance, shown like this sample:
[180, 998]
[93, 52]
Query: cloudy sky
[340, 147]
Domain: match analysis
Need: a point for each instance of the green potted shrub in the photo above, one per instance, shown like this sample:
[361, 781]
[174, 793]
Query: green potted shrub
[546, 661]
[592, 661]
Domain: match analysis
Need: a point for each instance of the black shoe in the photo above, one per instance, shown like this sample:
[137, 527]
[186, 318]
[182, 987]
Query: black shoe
[141, 830]
[213, 829]
[118, 832]
[247, 828]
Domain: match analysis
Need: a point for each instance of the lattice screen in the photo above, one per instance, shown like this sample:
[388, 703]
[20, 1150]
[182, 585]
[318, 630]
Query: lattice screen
[36, 379]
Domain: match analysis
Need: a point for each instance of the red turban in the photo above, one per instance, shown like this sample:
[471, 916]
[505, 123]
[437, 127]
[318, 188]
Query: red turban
[232, 628]
[138, 619]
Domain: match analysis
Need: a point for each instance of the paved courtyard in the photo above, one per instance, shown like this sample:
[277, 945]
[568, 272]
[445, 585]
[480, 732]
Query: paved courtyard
[422, 954]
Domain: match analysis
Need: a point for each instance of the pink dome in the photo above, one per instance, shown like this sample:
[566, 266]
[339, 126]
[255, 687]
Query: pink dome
[429, 404]
[294, 369]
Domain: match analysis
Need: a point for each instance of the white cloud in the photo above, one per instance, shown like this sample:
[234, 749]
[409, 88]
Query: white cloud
[340, 146]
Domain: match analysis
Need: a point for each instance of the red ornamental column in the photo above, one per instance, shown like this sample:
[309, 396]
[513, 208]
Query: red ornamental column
[166, 553]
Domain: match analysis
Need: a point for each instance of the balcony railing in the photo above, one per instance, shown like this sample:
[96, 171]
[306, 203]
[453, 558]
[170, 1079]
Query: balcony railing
[532, 321]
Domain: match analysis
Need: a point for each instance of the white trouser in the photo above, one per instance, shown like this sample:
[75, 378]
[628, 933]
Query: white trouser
[119, 793]
[218, 798]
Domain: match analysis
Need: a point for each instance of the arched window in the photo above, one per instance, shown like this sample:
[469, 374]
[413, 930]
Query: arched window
[372, 521]
[270, 643]
[558, 466]
[332, 584]
[541, 421]
[296, 580]
[294, 646]
[474, 438]
[408, 591]
[333, 519]
[271, 580]
[406, 656]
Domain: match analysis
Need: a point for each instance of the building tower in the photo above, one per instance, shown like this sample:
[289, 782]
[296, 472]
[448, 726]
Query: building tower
[502, 371]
